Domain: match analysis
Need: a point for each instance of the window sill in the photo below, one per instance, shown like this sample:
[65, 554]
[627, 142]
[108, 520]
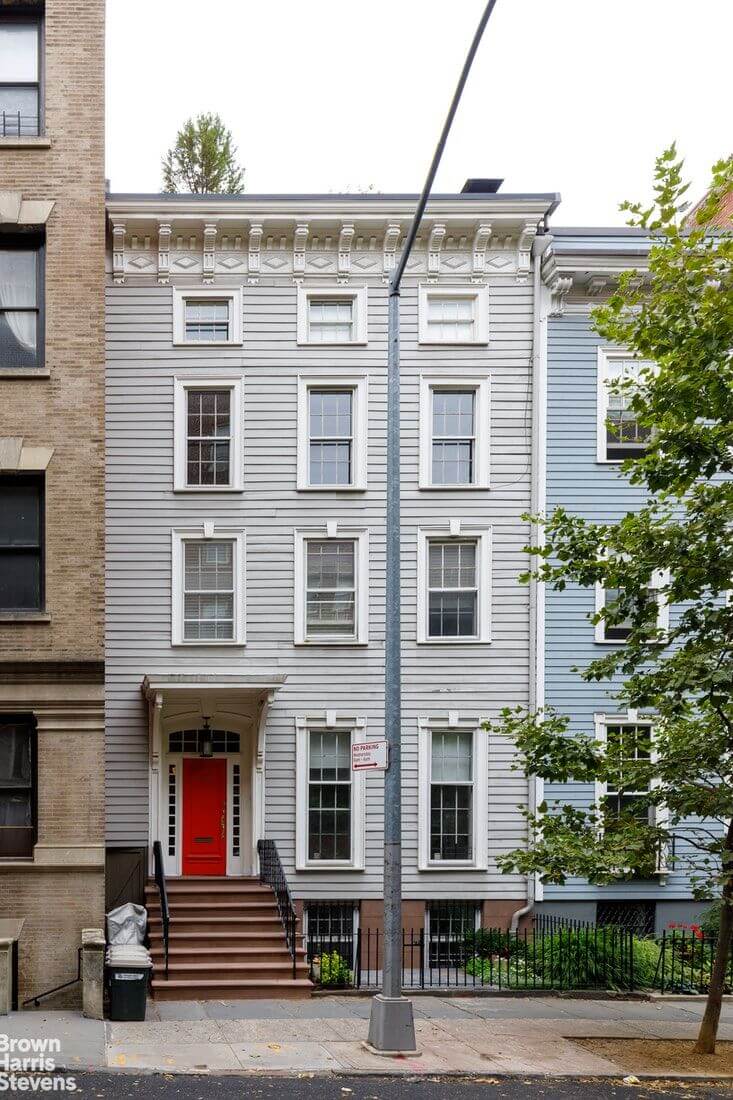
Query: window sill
[454, 488]
[332, 488]
[24, 617]
[350, 642]
[329, 865]
[454, 641]
[451, 865]
[207, 343]
[332, 343]
[453, 343]
[41, 142]
[27, 372]
[207, 643]
[198, 489]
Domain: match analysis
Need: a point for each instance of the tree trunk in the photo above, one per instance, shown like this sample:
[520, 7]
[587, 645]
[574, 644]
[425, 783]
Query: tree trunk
[709, 1027]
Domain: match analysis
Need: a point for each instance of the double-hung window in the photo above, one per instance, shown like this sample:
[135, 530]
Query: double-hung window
[453, 315]
[21, 303]
[620, 434]
[451, 795]
[454, 596]
[206, 316]
[332, 433]
[329, 795]
[208, 584]
[331, 588]
[454, 432]
[618, 632]
[332, 315]
[452, 792]
[628, 744]
[208, 434]
[17, 787]
[21, 543]
[20, 64]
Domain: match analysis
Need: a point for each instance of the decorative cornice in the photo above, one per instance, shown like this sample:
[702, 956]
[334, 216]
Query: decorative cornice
[253, 252]
[524, 250]
[391, 240]
[346, 237]
[300, 240]
[481, 240]
[118, 252]
[435, 244]
[596, 285]
[209, 251]
[164, 253]
[558, 286]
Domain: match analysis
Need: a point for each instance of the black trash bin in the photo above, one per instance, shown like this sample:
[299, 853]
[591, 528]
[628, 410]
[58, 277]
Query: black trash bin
[127, 981]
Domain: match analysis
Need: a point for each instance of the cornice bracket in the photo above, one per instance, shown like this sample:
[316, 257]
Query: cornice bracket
[118, 253]
[435, 244]
[346, 237]
[480, 244]
[524, 250]
[209, 251]
[164, 253]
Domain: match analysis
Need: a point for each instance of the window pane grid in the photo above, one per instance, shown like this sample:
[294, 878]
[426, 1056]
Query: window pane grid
[624, 434]
[330, 587]
[208, 605]
[626, 745]
[330, 434]
[452, 589]
[208, 437]
[19, 85]
[207, 320]
[453, 437]
[451, 320]
[329, 794]
[451, 795]
[19, 307]
[330, 320]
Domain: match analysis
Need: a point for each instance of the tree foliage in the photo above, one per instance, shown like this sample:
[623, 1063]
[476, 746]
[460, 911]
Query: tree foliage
[680, 318]
[203, 159]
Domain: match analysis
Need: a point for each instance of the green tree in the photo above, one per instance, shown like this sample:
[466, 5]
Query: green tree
[681, 319]
[203, 159]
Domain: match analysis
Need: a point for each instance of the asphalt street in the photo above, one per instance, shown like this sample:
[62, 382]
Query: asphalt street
[123, 1086]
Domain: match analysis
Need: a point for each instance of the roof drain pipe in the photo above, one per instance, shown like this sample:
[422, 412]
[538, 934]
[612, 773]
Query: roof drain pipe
[539, 393]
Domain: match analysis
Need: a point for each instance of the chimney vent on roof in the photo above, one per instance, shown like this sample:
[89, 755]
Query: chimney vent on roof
[481, 187]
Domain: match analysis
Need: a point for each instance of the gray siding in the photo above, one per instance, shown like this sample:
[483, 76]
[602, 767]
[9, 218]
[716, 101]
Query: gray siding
[141, 510]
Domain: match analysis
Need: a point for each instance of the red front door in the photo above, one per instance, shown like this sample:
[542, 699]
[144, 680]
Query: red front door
[204, 817]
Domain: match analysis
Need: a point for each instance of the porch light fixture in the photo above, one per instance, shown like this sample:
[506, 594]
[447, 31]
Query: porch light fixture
[206, 741]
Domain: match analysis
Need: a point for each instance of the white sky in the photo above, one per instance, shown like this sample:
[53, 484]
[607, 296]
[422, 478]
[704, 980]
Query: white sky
[575, 96]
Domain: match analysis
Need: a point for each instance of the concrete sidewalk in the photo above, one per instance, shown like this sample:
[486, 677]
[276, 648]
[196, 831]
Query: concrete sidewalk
[459, 1035]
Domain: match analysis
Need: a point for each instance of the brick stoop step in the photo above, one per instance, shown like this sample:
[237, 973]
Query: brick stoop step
[226, 941]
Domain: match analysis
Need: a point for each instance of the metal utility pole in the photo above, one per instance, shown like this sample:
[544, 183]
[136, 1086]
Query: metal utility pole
[391, 1026]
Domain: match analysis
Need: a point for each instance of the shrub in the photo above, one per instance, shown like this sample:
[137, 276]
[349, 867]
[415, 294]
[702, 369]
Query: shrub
[485, 942]
[710, 920]
[334, 969]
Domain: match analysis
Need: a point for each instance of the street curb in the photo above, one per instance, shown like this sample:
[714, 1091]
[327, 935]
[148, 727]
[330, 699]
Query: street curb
[458, 1074]
[482, 992]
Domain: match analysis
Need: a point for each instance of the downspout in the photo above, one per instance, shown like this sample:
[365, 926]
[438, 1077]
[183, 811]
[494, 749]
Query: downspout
[538, 500]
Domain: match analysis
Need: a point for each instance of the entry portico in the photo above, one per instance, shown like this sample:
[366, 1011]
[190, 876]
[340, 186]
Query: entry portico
[207, 767]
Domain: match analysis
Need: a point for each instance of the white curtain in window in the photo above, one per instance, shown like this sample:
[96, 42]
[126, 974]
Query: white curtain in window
[18, 289]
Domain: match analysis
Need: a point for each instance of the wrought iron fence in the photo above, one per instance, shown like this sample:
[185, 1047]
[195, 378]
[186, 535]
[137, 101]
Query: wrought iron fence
[272, 873]
[550, 956]
[686, 961]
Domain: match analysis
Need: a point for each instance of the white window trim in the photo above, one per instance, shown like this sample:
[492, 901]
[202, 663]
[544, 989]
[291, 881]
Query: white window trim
[180, 294]
[357, 294]
[480, 294]
[479, 810]
[445, 532]
[181, 385]
[605, 355]
[208, 532]
[358, 385]
[480, 384]
[303, 726]
[630, 718]
[660, 579]
[335, 531]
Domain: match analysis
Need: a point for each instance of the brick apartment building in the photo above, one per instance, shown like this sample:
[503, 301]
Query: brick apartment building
[51, 480]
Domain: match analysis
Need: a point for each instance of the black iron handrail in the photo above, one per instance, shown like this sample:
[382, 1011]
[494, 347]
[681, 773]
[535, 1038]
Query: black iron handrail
[64, 985]
[272, 874]
[159, 874]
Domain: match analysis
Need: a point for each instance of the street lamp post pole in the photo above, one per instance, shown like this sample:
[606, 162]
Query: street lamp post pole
[391, 1025]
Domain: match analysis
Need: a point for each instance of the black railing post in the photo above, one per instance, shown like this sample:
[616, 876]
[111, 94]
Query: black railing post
[273, 875]
[163, 893]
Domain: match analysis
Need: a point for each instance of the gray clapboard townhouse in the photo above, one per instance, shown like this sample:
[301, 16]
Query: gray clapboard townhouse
[246, 395]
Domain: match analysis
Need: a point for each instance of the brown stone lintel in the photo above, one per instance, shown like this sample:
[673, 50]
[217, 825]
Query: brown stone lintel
[52, 672]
